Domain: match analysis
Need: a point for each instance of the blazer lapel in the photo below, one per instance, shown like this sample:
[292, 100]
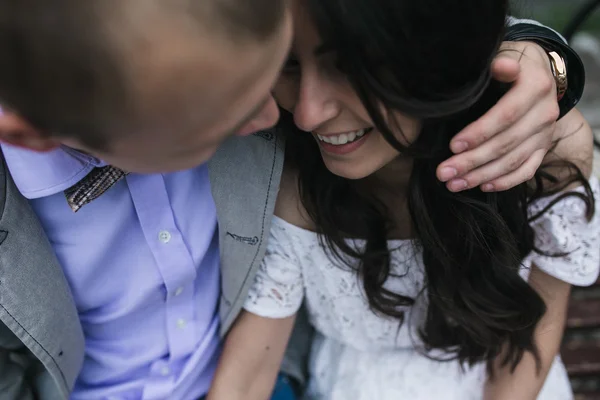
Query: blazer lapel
[35, 300]
[245, 175]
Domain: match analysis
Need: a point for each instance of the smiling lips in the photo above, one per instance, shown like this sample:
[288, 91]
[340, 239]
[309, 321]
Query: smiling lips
[343, 138]
[343, 143]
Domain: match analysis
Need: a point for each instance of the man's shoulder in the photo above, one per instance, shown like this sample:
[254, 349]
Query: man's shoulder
[14, 208]
[245, 174]
[575, 146]
[249, 148]
[258, 159]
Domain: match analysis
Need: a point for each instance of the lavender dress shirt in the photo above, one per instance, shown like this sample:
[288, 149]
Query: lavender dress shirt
[142, 263]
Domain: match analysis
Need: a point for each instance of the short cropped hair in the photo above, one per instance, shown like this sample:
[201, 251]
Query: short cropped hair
[257, 18]
[60, 72]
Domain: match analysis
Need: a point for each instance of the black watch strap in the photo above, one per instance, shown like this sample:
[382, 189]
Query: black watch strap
[550, 41]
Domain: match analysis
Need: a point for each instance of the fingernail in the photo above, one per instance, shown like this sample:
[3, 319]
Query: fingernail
[488, 187]
[459, 147]
[458, 185]
[447, 173]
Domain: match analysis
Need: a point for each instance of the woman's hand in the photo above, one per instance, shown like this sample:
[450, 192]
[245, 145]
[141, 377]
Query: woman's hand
[507, 145]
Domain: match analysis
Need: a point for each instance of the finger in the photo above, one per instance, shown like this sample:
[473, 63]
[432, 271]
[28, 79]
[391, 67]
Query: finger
[532, 129]
[501, 166]
[509, 109]
[505, 69]
[528, 91]
[522, 174]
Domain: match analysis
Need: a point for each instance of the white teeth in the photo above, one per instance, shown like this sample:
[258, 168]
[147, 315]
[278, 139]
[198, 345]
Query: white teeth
[342, 138]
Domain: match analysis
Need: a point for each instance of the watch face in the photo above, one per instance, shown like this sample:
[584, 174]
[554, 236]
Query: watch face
[559, 70]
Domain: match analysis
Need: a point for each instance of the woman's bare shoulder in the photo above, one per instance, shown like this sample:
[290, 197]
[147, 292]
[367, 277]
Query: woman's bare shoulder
[289, 205]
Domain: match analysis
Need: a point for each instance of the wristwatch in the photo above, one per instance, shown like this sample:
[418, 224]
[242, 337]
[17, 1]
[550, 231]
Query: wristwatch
[568, 68]
[559, 71]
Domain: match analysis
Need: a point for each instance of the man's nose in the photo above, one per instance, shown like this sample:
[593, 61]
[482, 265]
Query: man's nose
[267, 117]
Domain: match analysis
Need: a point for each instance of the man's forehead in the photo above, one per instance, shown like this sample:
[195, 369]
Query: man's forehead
[214, 78]
[250, 74]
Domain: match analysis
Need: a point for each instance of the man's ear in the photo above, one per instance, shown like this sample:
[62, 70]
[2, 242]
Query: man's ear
[15, 131]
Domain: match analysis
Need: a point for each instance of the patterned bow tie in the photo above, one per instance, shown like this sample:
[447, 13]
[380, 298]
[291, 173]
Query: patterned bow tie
[98, 181]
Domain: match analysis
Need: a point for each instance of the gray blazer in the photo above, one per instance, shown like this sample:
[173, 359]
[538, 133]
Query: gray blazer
[41, 339]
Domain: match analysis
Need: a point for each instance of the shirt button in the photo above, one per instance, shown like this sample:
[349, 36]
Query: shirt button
[178, 291]
[181, 323]
[164, 236]
[165, 371]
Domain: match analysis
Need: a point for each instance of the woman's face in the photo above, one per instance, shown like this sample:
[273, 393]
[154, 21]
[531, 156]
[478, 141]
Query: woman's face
[325, 105]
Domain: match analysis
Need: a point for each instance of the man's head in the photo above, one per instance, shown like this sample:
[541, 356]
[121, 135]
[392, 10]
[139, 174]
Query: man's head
[146, 85]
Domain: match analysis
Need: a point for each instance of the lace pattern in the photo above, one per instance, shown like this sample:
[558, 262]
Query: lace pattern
[564, 230]
[278, 287]
[357, 345]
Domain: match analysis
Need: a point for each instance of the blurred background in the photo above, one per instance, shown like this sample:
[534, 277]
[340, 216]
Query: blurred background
[554, 12]
[581, 345]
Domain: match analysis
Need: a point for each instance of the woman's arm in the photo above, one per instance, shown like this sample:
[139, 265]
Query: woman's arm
[251, 358]
[525, 382]
[256, 343]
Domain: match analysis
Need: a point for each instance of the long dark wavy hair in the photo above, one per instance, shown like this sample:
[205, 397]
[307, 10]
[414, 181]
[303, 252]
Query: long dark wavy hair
[431, 59]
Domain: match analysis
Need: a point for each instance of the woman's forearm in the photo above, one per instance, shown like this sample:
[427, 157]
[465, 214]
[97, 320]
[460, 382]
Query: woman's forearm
[525, 382]
[251, 358]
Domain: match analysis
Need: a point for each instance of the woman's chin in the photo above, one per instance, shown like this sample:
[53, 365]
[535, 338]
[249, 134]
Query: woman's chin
[348, 170]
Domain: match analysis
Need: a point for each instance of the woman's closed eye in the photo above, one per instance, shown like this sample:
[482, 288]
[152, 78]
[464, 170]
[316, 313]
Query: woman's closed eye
[328, 64]
[291, 66]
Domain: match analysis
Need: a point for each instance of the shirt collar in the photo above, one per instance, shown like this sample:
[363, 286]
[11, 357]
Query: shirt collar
[44, 174]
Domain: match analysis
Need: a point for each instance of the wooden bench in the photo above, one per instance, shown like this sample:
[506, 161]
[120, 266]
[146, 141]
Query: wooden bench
[581, 345]
[584, 313]
[582, 357]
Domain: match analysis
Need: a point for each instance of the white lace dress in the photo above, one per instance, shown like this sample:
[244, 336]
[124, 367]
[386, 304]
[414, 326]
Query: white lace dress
[358, 355]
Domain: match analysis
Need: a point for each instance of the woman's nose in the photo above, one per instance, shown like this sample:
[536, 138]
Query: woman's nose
[316, 104]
